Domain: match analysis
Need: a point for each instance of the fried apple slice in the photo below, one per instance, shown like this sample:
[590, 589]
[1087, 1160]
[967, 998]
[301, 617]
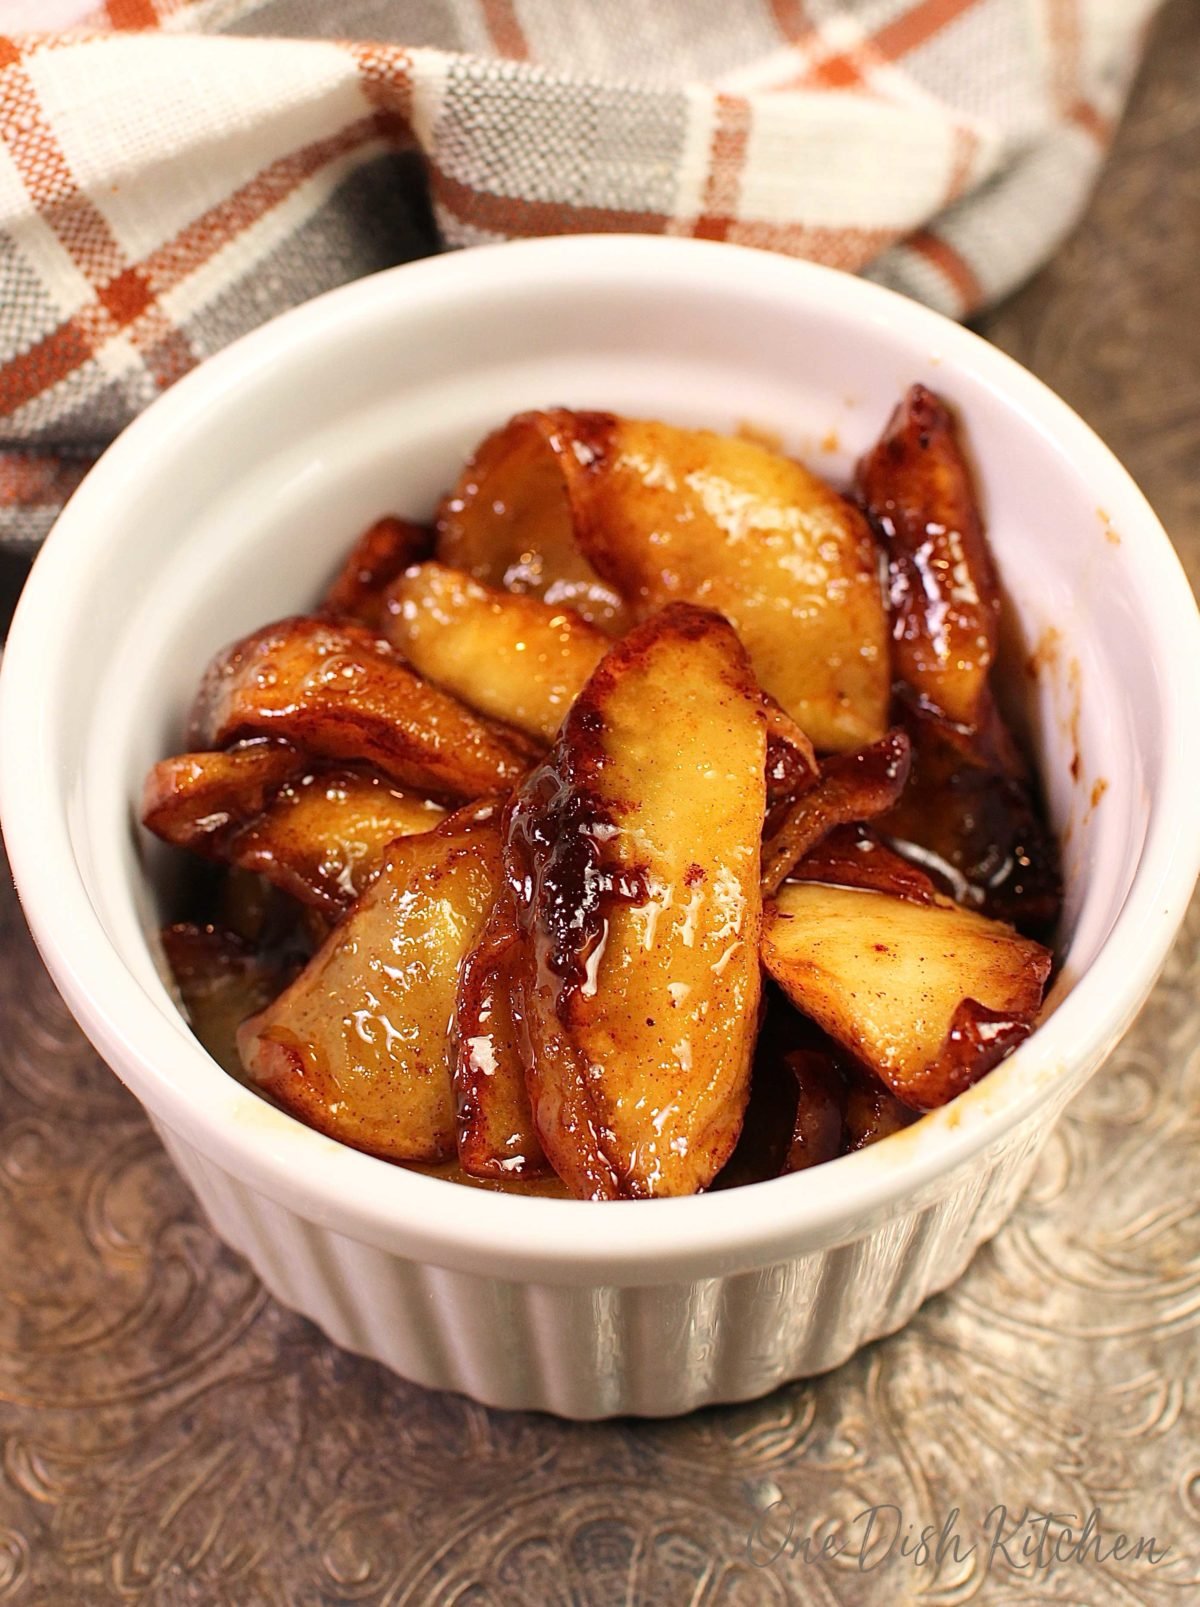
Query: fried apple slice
[511, 519]
[316, 834]
[632, 853]
[791, 764]
[221, 980]
[850, 787]
[945, 599]
[928, 996]
[360, 1046]
[773, 1115]
[338, 692]
[323, 835]
[969, 810]
[762, 1146]
[722, 522]
[663, 514]
[496, 1132]
[381, 553]
[810, 1102]
[194, 800]
[515, 658]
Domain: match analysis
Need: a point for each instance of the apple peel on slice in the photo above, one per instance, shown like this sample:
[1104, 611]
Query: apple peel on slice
[316, 834]
[382, 552]
[496, 1133]
[849, 787]
[221, 980]
[511, 519]
[194, 800]
[945, 598]
[323, 836]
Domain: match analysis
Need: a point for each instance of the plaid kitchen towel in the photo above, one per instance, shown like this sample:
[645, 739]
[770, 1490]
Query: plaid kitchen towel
[173, 173]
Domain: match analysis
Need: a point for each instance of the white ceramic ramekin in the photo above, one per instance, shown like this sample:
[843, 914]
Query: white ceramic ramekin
[228, 504]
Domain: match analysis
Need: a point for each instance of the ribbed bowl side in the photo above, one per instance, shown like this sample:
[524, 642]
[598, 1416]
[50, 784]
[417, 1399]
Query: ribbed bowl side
[647, 1351]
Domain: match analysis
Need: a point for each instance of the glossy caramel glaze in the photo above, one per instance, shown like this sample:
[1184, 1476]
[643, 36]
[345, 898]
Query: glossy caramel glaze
[944, 594]
[872, 1112]
[970, 811]
[791, 764]
[316, 834]
[337, 691]
[565, 977]
[618, 517]
[497, 1136]
[849, 787]
[221, 980]
[632, 854]
[817, 1127]
[975, 821]
[515, 658]
[856, 856]
[195, 800]
[710, 519]
[511, 519]
[361, 1045]
[928, 995]
[810, 1101]
[323, 835]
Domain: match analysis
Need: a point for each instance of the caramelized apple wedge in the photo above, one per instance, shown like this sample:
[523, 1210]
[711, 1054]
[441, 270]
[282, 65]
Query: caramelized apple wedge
[850, 787]
[514, 658]
[360, 1046]
[929, 996]
[720, 521]
[496, 1132]
[323, 835]
[760, 1153]
[511, 519]
[968, 810]
[916, 487]
[840, 1106]
[791, 765]
[251, 908]
[194, 800]
[382, 552]
[810, 1101]
[660, 514]
[318, 835]
[632, 855]
[339, 692]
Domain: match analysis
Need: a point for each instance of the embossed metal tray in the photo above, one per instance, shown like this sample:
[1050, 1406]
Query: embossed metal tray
[169, 1435]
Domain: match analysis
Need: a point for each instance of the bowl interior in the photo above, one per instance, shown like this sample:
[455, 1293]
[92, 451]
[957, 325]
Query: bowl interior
[231, 503]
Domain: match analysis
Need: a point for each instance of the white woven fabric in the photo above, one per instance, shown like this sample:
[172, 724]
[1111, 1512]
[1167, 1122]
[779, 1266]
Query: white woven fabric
[180, 172]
